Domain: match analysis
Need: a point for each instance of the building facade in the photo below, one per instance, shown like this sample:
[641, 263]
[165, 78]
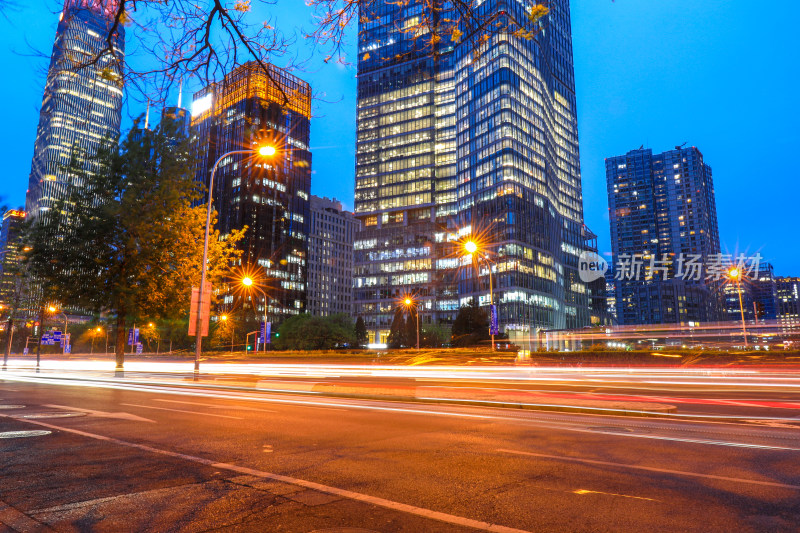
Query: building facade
[10, 256]
[458, 138]
[269, 195]
[788, 293]
[663, 215]
[82, 102]
[330, 258]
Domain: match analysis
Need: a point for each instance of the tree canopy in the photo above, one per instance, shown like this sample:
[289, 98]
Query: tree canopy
[307, 332]
[471, 325]
[128, 239]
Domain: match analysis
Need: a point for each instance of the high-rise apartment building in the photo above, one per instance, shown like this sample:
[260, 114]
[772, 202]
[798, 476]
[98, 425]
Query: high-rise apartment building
[788, 293]
[267, 194]
[13, 219]
[663, 218]
[330, 258]
[759, 291]
[82, 102]
[457, 137]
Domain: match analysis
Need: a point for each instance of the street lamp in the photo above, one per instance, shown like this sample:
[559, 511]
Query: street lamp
[248, 282]
[735, 275]
[473, 249]
[409, 304]
[54, 310]
[263, 151]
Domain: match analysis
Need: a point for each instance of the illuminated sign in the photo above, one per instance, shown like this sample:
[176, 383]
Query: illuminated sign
[201, 105]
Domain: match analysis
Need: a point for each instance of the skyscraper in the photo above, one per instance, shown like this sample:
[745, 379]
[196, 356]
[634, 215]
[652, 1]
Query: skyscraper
[461, 136]
[330, 258]
[788, 293]
[663, 214]
[82, 101]
[268, 195]
[10, 255]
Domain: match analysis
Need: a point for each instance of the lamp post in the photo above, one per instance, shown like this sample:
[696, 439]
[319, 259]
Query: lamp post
[98, 330]
[411, 304]
[54, 310]
[471, 248]
[735, 275]
[248, 282]
[264, 151]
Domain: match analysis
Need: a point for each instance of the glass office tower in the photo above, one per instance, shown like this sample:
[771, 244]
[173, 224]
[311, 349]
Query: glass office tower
[468, 135]
[268, 195]
[82, 102]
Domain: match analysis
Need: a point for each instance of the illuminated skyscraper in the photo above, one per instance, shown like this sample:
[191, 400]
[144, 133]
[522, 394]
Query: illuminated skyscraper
[10, 233]
[82, 101]
[269, 195]
[663, 211]
[455, 136]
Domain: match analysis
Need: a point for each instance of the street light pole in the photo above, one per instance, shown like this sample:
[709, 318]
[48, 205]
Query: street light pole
[265, 151]
[471, 247]
[735, 274]
[741, 310]
[249, 284]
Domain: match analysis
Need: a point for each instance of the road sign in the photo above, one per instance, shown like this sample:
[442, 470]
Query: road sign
[68, 348]
[204, 307]
[25, 351]
[139, 348]
[133, 336]
[494, 327]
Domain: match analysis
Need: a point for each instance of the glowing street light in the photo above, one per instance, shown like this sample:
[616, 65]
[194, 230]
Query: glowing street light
[735, 275]
[471, 248]
[248, 282]
[263, 151]
[267, 151]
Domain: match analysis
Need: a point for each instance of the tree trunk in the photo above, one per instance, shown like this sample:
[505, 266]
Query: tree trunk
[120, 344]
[9, 333]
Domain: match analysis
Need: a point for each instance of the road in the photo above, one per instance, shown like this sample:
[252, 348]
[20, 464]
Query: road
[164, 458]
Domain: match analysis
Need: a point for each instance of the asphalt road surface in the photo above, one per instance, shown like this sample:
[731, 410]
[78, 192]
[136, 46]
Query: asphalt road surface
[80, 457]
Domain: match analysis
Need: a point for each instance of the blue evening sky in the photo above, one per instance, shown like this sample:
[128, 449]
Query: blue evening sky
[717, 74]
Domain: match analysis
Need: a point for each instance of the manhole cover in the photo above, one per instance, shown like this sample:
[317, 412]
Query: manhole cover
[12, 406]
[19, 434]
[51, 415]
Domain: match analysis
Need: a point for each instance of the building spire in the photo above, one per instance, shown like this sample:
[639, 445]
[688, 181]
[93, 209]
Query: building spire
[180, 91]
[147, 116]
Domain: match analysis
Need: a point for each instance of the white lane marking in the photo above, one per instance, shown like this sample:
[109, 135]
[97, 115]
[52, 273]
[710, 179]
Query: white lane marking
[22, 434]
[102, 414]
[651, 469]
[181, 411]
[344, 493]
[212, 406]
